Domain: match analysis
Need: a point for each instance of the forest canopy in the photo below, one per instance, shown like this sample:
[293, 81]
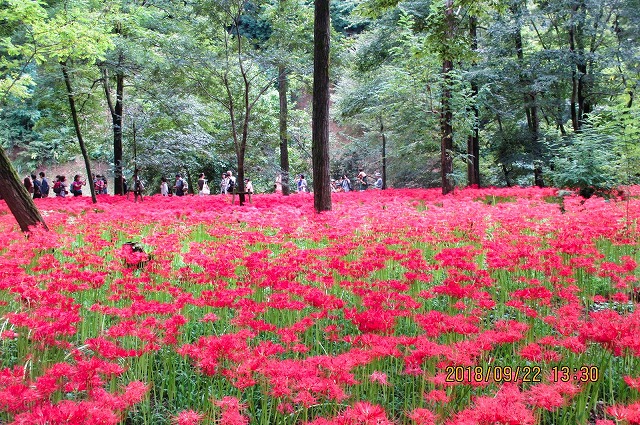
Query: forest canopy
[481, 92]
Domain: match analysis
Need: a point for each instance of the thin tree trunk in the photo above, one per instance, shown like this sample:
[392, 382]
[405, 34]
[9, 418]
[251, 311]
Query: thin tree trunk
[446, 112]
[117, 134]
[76, 125]
[506, 175]
[18, 200]
[446, 130]
[320, 116]
[116, 111]
[284, 142]
[384, 154]
[529, 103]
[473, 141]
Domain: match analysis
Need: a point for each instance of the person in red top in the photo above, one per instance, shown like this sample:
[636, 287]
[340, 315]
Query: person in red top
[76, 185]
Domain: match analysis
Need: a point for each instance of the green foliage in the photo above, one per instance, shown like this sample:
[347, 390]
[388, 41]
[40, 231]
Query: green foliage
[586, 161]
[603, 156]
[386, 63]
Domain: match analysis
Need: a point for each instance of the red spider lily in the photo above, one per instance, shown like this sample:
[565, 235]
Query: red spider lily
[297, 309]
[507, 407]
[187, 417]
[436, 396]
[550, 396]
[629, 414]
[231, 411]
[421, 416]
[379, 377]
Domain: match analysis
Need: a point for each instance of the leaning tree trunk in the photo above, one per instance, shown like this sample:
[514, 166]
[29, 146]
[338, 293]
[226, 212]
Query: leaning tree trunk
[284, 142]
[320, 117]
[18, 200]
[76, 125]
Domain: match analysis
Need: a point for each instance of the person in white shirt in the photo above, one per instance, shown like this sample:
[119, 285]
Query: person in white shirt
[302, 184]
[224, 183]
[231, 186]
[378, 183]
[164, 187]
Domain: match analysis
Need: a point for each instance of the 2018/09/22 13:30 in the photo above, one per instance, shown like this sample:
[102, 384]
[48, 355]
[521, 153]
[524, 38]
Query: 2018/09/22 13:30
[467, 374]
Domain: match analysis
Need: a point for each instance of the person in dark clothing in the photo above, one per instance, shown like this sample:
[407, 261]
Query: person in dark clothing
[37, 187]
[44, 186]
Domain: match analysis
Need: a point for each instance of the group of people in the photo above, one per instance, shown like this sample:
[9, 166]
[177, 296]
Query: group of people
[41, 187]
[181, 187]
[228, 184]
[38, 188]
[343, 184]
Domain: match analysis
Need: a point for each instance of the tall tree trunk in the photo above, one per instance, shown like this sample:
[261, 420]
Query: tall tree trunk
[18, 200]
[384, 154]
[116, 111]
[529, 102]
[320, 115]
[117, 134]
[76, 125]
[446, 112]
[581, 81]
[446, 130]
[473, 141]
[284, 141]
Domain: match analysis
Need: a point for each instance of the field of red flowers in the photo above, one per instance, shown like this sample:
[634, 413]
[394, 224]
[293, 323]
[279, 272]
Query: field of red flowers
[493, 306]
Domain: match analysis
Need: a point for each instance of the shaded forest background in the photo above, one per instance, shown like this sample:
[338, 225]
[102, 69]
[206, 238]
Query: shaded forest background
[509, 92]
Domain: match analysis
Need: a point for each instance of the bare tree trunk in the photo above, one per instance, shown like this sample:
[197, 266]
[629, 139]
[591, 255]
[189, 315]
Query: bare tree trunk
[446, 129]
[580, 80]
[446, 113]
[117, 134]
[320, 117]
[76, 125]
[116, 111]
[18, 200]
[530, 106]
[384, 154]
[284, 141]
[473, 141]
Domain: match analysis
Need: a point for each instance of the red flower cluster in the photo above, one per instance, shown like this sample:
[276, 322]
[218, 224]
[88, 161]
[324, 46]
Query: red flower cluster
[270, 313]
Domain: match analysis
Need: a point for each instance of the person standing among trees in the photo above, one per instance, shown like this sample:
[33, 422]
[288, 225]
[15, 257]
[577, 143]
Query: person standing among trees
[58, 188]
[203, 187]
[180, 186]
[302, 184]
[138, 187]
[346, 184]
[362, 179]
[98, 184]
[164, 187]
[277, 186]
[232, 182]
[105, 185]
[37, 187]
[44, 185]
[378, 183]
[76, 185]
[28, 184]
[224, 184]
